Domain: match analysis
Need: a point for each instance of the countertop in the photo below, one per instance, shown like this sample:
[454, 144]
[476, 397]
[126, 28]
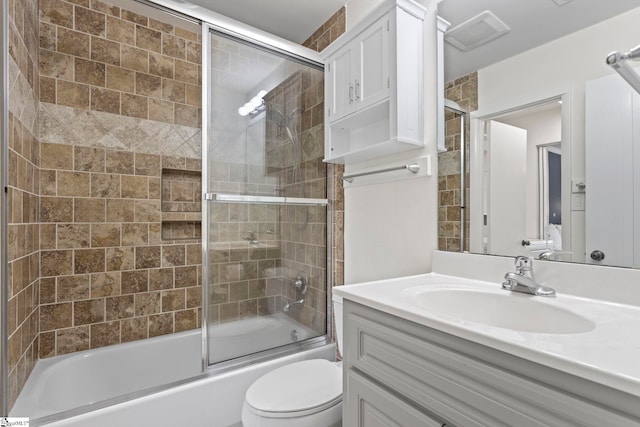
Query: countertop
[608, 354]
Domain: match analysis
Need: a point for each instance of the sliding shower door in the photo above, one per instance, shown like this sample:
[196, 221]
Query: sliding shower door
[266, 231]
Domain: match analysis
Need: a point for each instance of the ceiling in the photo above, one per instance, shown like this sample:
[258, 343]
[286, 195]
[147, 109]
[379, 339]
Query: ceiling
[294, 20]
[532, 22]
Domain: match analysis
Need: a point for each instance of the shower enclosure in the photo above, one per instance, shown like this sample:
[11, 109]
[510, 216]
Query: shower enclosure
[266, 191]
[125, 170]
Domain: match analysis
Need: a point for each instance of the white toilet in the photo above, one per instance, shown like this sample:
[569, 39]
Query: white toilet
[301, 394]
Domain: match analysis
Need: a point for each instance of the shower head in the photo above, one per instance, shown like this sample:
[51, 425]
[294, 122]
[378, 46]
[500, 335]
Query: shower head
[619, 62]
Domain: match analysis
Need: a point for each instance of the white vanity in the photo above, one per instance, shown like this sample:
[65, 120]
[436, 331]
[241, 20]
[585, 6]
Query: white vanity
[453, 348]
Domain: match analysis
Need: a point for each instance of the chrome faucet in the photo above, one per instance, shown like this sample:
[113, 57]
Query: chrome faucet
[301, 284]
[251, 238]
[523, 280]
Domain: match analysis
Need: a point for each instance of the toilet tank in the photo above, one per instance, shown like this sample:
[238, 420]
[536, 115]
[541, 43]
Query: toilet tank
[337, 314]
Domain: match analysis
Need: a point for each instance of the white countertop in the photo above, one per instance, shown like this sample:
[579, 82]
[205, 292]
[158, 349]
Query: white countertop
[608, 354]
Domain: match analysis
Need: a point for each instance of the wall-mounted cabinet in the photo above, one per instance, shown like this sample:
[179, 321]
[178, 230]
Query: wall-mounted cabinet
[374, 85]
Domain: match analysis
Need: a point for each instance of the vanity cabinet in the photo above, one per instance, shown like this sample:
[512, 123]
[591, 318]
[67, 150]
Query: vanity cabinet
[428, 377]
[374, 85]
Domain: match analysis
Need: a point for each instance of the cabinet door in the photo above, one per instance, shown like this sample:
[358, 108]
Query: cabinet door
[367, 404]
[341, 90]
[371, 81]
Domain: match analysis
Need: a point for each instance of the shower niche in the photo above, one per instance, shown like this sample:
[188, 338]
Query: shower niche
[181, 204]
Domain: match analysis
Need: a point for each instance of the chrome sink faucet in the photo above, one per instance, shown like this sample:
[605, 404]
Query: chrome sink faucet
[523, 280]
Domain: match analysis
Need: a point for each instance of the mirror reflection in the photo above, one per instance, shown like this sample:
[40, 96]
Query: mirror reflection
[551, 151]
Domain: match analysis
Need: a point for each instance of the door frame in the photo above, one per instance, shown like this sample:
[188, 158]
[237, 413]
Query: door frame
[477, 147]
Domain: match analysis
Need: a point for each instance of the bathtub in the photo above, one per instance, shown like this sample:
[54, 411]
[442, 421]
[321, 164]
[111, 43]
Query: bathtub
[100, 378]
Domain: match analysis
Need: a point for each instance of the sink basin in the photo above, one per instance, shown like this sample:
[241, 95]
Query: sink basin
[506, 310]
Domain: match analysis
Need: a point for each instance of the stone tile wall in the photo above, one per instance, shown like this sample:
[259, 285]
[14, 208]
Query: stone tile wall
[22, 195]
[119, 111]
[464, 91]
[99, 57]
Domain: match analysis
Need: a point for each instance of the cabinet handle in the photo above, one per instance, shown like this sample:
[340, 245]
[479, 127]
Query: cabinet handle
[350, 94]
[357, 90]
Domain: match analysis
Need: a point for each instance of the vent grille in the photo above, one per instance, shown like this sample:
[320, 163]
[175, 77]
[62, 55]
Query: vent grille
[477, 31]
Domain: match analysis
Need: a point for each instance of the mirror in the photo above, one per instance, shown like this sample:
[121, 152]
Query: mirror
[542, 198]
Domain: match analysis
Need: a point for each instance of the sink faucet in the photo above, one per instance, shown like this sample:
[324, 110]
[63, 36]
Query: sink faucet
[523, 281]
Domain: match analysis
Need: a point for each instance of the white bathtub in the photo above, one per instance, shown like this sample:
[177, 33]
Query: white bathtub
[65, 382]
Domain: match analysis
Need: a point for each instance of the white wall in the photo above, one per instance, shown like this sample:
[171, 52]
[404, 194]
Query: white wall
[543, 127]
[391, 228]
[562, 66]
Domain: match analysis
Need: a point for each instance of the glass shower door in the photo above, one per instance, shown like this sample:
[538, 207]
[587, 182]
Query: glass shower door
[266, 229]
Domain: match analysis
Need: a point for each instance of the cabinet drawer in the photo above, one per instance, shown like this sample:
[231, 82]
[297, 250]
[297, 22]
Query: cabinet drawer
[372, 406]
[456, 386]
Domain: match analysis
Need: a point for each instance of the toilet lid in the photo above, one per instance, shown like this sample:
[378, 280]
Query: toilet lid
[301, 386]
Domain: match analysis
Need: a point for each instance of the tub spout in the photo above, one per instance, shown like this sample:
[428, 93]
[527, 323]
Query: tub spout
[290, 304]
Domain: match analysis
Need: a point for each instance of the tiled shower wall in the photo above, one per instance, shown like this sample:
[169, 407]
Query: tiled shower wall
[23, 198]
[464, 91]
[119, 130]
[320, 39]
[300, 172]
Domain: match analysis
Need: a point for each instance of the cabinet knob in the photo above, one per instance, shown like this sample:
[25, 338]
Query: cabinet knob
[597, 255]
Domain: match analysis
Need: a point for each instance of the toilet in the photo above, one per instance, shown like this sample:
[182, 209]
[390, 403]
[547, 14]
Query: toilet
[301, 394]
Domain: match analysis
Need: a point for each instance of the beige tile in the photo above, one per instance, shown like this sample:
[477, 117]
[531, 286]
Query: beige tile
[173, 300]
[134, 106]
[120, 30]
[89, 261]
[187, 115]
[106, 8]
[89, 311]
[147, 164]
[148, 39]
[74, 184]
[135, 281]
[135, 234]
[71, 340]
[57, 12]
[187, 72]
[90, 21]
[120, 79]
[73, 94]
[56, 156]
[160, 279]
[89, 159]
[105, 51]
[174, 91]
[56, 209]
[105, 185]
[134, 59]
[161, 26]
[105, 284]
[148, 85]
[74, 43]
[120, 162]
[89, 210]
[148, 257]
[148, 303]
[161, 111]
[72, 288]
[103, 334]
[134, 329]
[104, 235]
[160, 324]
[118, 259]
[120, 210]
[56, 316]
[47, 90]
[135, 187]
[120, 307]
[161, 65]
[147, 211]
[73, 236]
[174, 46]
[56, 65]
[105, 100]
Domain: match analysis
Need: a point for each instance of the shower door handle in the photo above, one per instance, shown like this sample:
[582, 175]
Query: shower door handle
[357, 91]
[266, 200]
[350, 94]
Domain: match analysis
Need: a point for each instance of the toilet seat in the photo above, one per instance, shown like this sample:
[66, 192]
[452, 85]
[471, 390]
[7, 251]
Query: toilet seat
[299, 389]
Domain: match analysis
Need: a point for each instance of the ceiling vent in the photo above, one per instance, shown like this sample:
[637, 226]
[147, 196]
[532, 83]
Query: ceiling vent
[474, 32]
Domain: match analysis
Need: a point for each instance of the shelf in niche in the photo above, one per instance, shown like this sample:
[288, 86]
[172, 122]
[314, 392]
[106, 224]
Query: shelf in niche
[181, 204]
